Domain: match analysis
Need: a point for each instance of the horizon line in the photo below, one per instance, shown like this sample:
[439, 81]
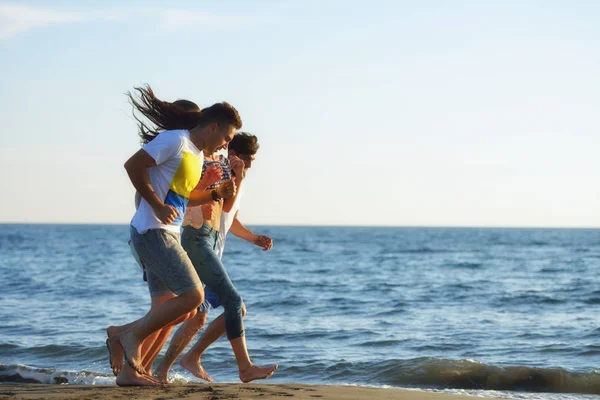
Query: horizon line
[332, 225]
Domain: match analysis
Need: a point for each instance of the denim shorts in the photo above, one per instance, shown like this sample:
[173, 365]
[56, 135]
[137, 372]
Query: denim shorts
[167, 264]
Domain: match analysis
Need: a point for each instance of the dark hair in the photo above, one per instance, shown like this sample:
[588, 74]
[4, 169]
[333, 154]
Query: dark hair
[180, 114]
[244, 143]
[187, 105]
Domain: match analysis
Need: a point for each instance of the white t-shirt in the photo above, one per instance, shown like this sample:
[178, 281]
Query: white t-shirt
[176, 174]
[226, 222]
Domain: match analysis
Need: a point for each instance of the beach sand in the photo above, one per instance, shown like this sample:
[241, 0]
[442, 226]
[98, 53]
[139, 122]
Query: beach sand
[214, 392]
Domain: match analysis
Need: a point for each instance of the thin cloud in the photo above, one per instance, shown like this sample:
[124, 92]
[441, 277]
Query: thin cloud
[15, 19]
[172, 19]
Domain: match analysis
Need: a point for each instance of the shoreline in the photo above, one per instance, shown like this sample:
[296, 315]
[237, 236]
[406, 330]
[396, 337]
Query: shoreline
[215, 391]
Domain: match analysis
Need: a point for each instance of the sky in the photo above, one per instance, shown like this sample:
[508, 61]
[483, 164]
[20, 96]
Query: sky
[395, 113]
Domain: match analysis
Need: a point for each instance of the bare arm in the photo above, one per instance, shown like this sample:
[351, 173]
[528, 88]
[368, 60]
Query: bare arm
[228, 204]
[225, 191]
[237, 166]
[239, 230]
[198, 197]
[137, 169]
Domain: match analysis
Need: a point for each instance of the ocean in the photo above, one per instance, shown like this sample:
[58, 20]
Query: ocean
[488, 312]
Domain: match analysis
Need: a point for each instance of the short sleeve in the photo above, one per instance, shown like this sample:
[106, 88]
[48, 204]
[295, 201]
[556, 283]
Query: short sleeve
[164, 146]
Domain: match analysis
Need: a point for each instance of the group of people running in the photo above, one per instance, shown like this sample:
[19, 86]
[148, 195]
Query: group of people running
[187, 200]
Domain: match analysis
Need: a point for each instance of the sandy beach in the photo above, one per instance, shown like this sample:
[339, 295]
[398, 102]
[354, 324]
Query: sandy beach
[214, 392]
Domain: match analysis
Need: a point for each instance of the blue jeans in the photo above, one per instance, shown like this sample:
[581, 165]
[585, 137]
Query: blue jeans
[200, 246]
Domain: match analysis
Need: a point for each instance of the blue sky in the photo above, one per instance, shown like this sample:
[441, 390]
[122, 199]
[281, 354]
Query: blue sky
[435, 113]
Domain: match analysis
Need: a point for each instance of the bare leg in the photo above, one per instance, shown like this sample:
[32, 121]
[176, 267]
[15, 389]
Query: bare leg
[214, 275]
[191, 359]
[154, 342]
[248, 371]
[156, 319]
[149, 348]
[161, 340]
[180, 340]
[114, 346]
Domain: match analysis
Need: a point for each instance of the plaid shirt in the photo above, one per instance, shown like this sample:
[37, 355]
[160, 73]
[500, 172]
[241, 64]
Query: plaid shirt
[225, 166]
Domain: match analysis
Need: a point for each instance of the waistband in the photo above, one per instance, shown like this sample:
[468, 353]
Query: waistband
[204, 230]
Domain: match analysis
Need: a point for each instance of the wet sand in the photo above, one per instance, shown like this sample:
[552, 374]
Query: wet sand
[214, 392]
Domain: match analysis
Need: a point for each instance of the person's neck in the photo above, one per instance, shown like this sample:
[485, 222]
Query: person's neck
[211, 157]
[198, 137]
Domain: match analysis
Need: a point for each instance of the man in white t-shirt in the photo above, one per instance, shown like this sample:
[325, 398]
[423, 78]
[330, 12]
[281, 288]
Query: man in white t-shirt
[242, 151]
[165, 172]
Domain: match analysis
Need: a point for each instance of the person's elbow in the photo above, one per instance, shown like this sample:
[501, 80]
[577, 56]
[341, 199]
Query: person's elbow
[135, 162]
[128, 164]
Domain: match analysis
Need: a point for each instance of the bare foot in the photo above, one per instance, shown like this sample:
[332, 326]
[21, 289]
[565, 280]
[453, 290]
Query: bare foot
[194, 367]
[132, 351]
[129, 377]
[115, 353]
[161, 375]
[255, 372]
[148, 368]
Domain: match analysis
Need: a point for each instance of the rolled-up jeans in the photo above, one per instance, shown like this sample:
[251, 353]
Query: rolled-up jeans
[200, 246]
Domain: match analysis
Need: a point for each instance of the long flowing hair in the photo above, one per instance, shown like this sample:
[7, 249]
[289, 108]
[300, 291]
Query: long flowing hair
[157, 115]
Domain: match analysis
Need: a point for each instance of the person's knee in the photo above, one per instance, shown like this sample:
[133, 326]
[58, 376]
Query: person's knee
[195, 323]
[184, 318]
[201, 319]
[160, 299]
[235, 304]
[193, 298]
[178, 320]
[192, 314]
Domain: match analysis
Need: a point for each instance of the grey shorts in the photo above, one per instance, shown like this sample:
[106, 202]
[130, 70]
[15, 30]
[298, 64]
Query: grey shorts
[168, 266]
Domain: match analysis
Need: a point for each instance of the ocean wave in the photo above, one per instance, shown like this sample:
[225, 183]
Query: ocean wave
[26, 374]
[390, 312]
[52, 351]
[527, 299]
[420, 250]
[466, 265]
[537, 243]
[590, 350]
[466, 374]
[419, 373]
[49, 376]
[382, 343]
